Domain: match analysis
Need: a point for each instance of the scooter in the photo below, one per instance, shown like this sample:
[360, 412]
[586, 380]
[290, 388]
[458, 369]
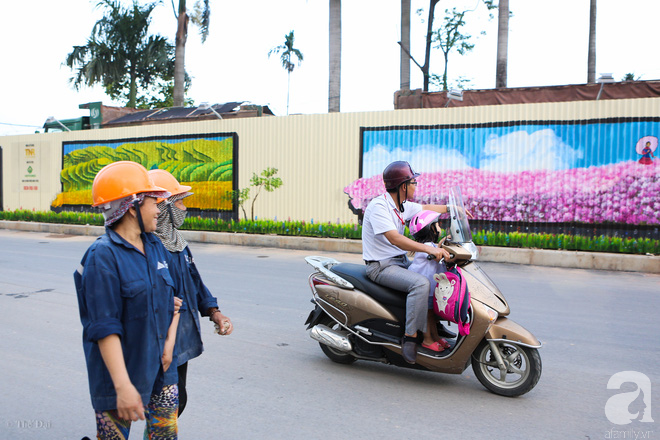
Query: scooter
[357, 319]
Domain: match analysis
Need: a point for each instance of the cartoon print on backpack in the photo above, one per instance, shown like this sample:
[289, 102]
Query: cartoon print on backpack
[452, 299]
[443, 291]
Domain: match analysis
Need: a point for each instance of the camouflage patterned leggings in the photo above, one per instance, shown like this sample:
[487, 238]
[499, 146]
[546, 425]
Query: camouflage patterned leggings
[161, 416]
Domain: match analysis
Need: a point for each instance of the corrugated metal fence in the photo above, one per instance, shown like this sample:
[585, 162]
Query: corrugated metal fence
[571, 167]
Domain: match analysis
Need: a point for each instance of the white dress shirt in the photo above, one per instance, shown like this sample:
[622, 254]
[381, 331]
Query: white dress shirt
[382, 215]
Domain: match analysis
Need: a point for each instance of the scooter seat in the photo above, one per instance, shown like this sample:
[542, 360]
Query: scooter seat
[356, 274]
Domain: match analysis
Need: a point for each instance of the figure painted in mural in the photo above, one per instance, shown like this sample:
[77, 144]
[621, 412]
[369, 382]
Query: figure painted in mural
[128, 308]
[646, 147]
[384, 248]
[425, 228]
[198, 298]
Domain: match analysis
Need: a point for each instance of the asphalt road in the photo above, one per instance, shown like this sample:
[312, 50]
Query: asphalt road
[270, 380]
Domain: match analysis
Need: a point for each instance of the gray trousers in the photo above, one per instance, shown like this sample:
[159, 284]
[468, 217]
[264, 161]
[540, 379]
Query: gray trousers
[394, 273]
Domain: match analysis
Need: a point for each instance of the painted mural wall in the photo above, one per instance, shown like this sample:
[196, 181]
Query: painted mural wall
[594, 171]
[204, 161]
[545, 162]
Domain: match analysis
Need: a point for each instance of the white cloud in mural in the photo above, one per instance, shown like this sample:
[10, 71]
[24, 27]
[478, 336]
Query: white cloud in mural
[522, 151]
[423, 159]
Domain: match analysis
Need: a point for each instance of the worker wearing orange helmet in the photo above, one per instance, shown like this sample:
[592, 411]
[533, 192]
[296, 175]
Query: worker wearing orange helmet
[198, 297]
[128, 308]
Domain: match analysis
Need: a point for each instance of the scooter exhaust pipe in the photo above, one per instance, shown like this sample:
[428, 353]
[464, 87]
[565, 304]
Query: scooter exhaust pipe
[326, 335]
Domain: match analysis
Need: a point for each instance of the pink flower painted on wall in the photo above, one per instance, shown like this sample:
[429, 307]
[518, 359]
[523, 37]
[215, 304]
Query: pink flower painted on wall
[625, 192]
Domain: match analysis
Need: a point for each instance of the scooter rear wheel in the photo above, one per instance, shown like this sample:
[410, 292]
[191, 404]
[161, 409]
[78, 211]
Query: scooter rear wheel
[523, 368]
[341, 357]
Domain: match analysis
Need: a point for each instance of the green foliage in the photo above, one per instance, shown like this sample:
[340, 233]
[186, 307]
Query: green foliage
[600, 243]
[239, 197]
[265, 180]
[448, 37]
[74, 218]
[199, 160]
[120, 54]
[631, 77]
[274, 227]
[623, 245]
[287, 52]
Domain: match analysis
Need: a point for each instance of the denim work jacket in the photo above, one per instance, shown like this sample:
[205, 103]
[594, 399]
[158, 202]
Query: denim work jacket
[122, 291]
[197, 298]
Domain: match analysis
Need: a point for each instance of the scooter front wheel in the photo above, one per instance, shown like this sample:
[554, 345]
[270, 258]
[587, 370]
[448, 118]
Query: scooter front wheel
[335, 355]
[521, 373]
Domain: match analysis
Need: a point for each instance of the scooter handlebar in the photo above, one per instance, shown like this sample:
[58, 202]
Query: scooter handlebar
[432, 257]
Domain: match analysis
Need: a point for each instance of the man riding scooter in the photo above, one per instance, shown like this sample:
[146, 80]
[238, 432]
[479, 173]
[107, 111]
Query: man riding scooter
[384, 248]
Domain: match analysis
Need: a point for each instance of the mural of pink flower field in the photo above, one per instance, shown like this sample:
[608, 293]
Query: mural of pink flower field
[625, 192]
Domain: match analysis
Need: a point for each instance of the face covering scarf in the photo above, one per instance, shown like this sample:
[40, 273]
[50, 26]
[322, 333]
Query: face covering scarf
[170, 220]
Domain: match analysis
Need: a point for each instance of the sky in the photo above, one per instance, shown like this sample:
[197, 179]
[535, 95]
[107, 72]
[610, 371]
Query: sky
[548, 44]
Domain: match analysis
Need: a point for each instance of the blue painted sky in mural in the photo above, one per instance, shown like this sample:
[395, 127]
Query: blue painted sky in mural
[69, 147]
[511, 148]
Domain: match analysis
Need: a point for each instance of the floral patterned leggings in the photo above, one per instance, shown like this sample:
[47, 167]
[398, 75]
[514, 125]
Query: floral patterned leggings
[161, 417]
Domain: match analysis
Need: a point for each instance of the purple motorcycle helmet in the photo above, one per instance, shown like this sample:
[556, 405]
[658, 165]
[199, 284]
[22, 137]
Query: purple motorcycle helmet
[397, 173]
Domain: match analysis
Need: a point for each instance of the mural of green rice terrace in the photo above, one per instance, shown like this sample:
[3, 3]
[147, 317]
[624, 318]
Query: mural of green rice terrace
[204, 162]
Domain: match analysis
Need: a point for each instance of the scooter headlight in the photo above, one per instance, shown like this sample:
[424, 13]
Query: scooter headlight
[492, 314]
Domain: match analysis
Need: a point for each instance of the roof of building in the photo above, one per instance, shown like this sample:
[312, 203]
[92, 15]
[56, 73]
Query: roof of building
[181, 114]
[409, 99]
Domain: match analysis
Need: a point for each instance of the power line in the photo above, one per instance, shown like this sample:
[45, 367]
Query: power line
[19, 125]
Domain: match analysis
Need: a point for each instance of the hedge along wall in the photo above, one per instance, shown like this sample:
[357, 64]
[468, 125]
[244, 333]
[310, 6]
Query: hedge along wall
[530, 163]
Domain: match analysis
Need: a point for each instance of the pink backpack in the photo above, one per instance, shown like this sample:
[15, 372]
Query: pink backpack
[452, 299]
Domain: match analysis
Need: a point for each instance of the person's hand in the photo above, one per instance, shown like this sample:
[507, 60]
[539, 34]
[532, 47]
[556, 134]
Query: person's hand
[178, 302]
[223, 324]
[438, 253]
[467, 211]
[129, 403]
[166, 359]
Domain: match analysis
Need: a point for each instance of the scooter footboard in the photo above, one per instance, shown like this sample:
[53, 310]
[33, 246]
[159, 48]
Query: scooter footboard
[507, 330]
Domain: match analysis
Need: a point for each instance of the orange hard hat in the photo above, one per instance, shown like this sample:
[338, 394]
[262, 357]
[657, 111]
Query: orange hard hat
[121, 179]
[166, 180]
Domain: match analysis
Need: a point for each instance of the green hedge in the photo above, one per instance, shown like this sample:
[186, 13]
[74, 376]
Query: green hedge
[352, 231]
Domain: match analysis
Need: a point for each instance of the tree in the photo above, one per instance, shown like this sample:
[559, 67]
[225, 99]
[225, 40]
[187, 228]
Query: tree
[427, 53]
[239, 197]
[430, 38]
[502, 44]
[449, 37]
[334, 83]
[265, 180]
[201, 17]
[161, 95]
[120, 54]
[591, 57]
[287, 52]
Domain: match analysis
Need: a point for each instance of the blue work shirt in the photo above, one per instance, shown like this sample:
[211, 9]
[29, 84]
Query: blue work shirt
[197, 298]
[125, 292]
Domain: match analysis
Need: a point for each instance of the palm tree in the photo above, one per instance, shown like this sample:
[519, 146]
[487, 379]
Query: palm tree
[405, 42]
[201, 17]
[287, 52]
[591, 58]
[334, 83]
[502, 44]
[120, 54]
